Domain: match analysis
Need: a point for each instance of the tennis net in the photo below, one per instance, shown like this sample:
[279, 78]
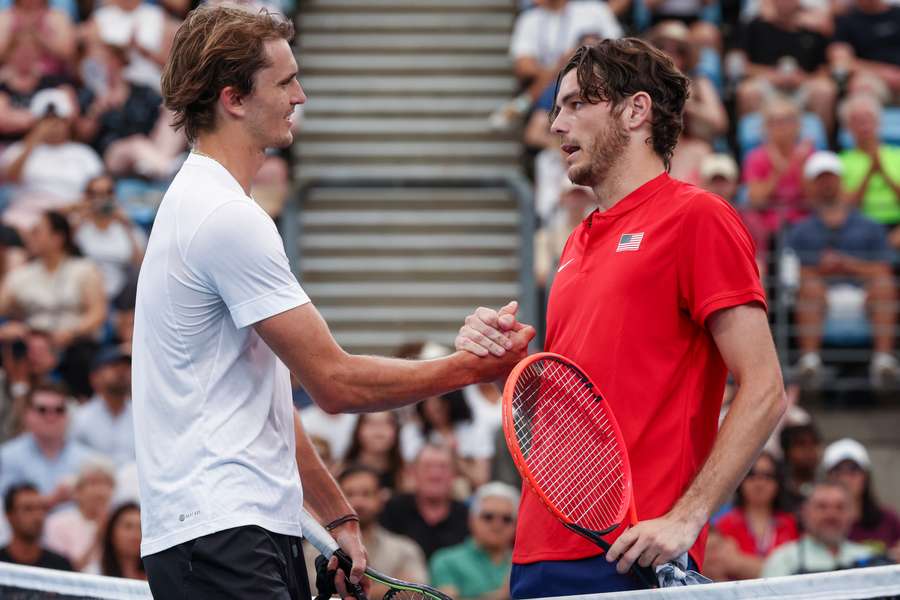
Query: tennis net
[30, 583]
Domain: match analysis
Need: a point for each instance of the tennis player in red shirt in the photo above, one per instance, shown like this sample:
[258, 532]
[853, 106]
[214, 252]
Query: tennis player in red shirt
[657, 296]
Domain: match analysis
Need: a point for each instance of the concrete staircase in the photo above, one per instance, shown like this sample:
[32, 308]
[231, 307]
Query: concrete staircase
[397, 239]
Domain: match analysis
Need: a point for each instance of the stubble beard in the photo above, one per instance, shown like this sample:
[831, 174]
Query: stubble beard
[604, 154]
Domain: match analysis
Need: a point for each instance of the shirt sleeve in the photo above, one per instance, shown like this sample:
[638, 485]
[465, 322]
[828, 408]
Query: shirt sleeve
[716, 265]
[238, 253]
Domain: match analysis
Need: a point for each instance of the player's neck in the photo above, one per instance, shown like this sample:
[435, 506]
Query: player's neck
[631, 172]
[235, 151]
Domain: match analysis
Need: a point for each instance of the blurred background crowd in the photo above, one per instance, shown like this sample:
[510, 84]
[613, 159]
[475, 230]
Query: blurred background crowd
[793, 118]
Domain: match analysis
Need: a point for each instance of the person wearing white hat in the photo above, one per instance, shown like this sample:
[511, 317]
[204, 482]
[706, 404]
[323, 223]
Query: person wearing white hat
[847, 462]
[843, 255]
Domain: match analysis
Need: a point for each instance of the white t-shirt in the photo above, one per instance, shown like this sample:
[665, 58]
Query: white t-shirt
[60, 171]
[546, 34]
[111, 250]
[146, 25]
[213, 413]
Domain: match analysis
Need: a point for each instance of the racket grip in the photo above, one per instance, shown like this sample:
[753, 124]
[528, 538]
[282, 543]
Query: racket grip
[346, 564]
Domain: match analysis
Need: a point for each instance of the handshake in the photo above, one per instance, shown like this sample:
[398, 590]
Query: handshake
[497, 337]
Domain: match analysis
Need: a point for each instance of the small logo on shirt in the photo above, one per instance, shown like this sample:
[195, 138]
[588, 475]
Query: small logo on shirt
[182, 517]
[630, 242]
[565, 264]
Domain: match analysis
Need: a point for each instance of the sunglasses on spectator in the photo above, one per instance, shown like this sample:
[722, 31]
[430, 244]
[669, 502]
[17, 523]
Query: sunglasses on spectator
[50, 410]
[490, 517]
[770, 475]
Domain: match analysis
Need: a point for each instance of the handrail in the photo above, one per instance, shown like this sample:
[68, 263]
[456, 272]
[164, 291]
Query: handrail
[512, 181]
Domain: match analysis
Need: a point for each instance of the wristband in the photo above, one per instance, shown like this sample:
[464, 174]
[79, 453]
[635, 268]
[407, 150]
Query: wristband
[341, 520]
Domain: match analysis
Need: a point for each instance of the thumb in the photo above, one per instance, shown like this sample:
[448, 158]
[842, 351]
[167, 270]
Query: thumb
[506, 316]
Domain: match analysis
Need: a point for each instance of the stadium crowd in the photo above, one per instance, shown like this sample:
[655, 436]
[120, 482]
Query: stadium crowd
[793, 119]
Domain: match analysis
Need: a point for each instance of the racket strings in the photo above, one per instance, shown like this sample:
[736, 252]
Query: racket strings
[569, 444]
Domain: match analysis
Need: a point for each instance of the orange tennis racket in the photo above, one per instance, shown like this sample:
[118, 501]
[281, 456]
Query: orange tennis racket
[567, 446]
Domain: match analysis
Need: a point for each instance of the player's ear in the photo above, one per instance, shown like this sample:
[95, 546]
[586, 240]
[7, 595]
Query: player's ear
[639, 110]
[232, 101]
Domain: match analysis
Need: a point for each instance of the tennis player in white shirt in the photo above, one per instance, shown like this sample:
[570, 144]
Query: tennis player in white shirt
[221, 322]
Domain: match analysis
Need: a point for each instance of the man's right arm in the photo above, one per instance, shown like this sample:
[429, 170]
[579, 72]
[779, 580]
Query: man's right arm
[342, 382]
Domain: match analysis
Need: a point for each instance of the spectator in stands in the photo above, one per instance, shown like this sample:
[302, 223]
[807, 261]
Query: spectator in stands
[480, 566]
[824, 545]
[846, 462]
[21, 78]
[26, 360]
[60, 293]
[774, 172]
[543, 38]
[704, 114]
[757, 524]
[376, 445]
[448, 420]
[74, 532]
[430, 515]
[867, 40]
[49, 169]
[388, 552]
[719, 175]
[141, 28]
[26, 511]
[50, 28]
[106, 236]
[784, 55]
[124, 123]
[335, 429]
[871, 169]
[120, 554]
[104, 424]
[838, 246]
[574, 204]
[801, 447]
[45, 454]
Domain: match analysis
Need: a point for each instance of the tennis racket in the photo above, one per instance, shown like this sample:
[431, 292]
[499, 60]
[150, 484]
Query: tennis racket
[397, 589]
[567, 446]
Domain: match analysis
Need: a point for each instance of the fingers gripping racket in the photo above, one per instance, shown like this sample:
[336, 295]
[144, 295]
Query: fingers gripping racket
[397, 589]
[567, 446]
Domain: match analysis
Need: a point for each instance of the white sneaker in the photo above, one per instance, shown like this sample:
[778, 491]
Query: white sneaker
[884, 371]
[810, 373]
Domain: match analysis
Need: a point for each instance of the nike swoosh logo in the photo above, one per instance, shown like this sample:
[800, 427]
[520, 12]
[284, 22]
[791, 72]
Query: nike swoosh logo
[566, 264]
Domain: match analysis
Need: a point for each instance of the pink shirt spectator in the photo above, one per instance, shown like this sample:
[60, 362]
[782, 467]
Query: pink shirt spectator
[67, 532]
[788, 193]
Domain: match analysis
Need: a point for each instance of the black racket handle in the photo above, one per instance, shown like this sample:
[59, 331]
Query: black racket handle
[346, 564]
[647, 575]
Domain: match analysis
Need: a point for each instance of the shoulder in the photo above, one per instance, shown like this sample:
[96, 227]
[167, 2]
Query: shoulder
[698, 204]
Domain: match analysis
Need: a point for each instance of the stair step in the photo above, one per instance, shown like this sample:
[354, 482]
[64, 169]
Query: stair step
[409, 264]
[485, 42]
[458, 85]
[407, 194]
[384, 127]
[323, 103]
[416, 22]
[395, 218]
[505, 5]
[405, 63]
[413, 289]
[396, 241]
[440, 150]
[399, 172]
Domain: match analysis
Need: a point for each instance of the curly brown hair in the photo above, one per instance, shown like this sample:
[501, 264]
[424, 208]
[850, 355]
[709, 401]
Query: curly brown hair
[214, 48]
[614, 70]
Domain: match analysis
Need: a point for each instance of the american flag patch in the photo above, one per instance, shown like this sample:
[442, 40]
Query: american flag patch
[629, 242]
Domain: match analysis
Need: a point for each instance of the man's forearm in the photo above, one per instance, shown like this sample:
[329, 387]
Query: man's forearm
[754, 413]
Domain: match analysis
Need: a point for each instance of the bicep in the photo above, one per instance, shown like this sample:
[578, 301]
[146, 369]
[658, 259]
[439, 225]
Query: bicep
[742, 335]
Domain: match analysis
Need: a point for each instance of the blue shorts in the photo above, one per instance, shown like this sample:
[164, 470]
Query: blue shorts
[568, 577]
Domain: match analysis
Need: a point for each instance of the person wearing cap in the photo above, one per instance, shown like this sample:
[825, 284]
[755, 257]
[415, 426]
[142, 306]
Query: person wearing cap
[105, 424]
[847, 462]
[837, 245]
[826, 517]
[48, 167]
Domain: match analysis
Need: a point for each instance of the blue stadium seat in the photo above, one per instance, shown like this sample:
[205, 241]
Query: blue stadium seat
[890, 129]
[751, 133]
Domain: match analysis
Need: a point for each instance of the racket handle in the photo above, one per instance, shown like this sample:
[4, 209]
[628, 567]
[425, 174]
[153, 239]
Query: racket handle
[346, 564]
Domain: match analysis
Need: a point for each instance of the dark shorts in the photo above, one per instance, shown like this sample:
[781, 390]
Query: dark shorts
[569, 577]
[243, 563]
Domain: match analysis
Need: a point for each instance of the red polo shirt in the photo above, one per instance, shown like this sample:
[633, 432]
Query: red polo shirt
[629, 304]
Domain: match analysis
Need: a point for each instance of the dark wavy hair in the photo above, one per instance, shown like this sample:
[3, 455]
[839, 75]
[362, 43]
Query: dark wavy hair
[59, 225]
[109, 562]
[394, 457]
[614, 70]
